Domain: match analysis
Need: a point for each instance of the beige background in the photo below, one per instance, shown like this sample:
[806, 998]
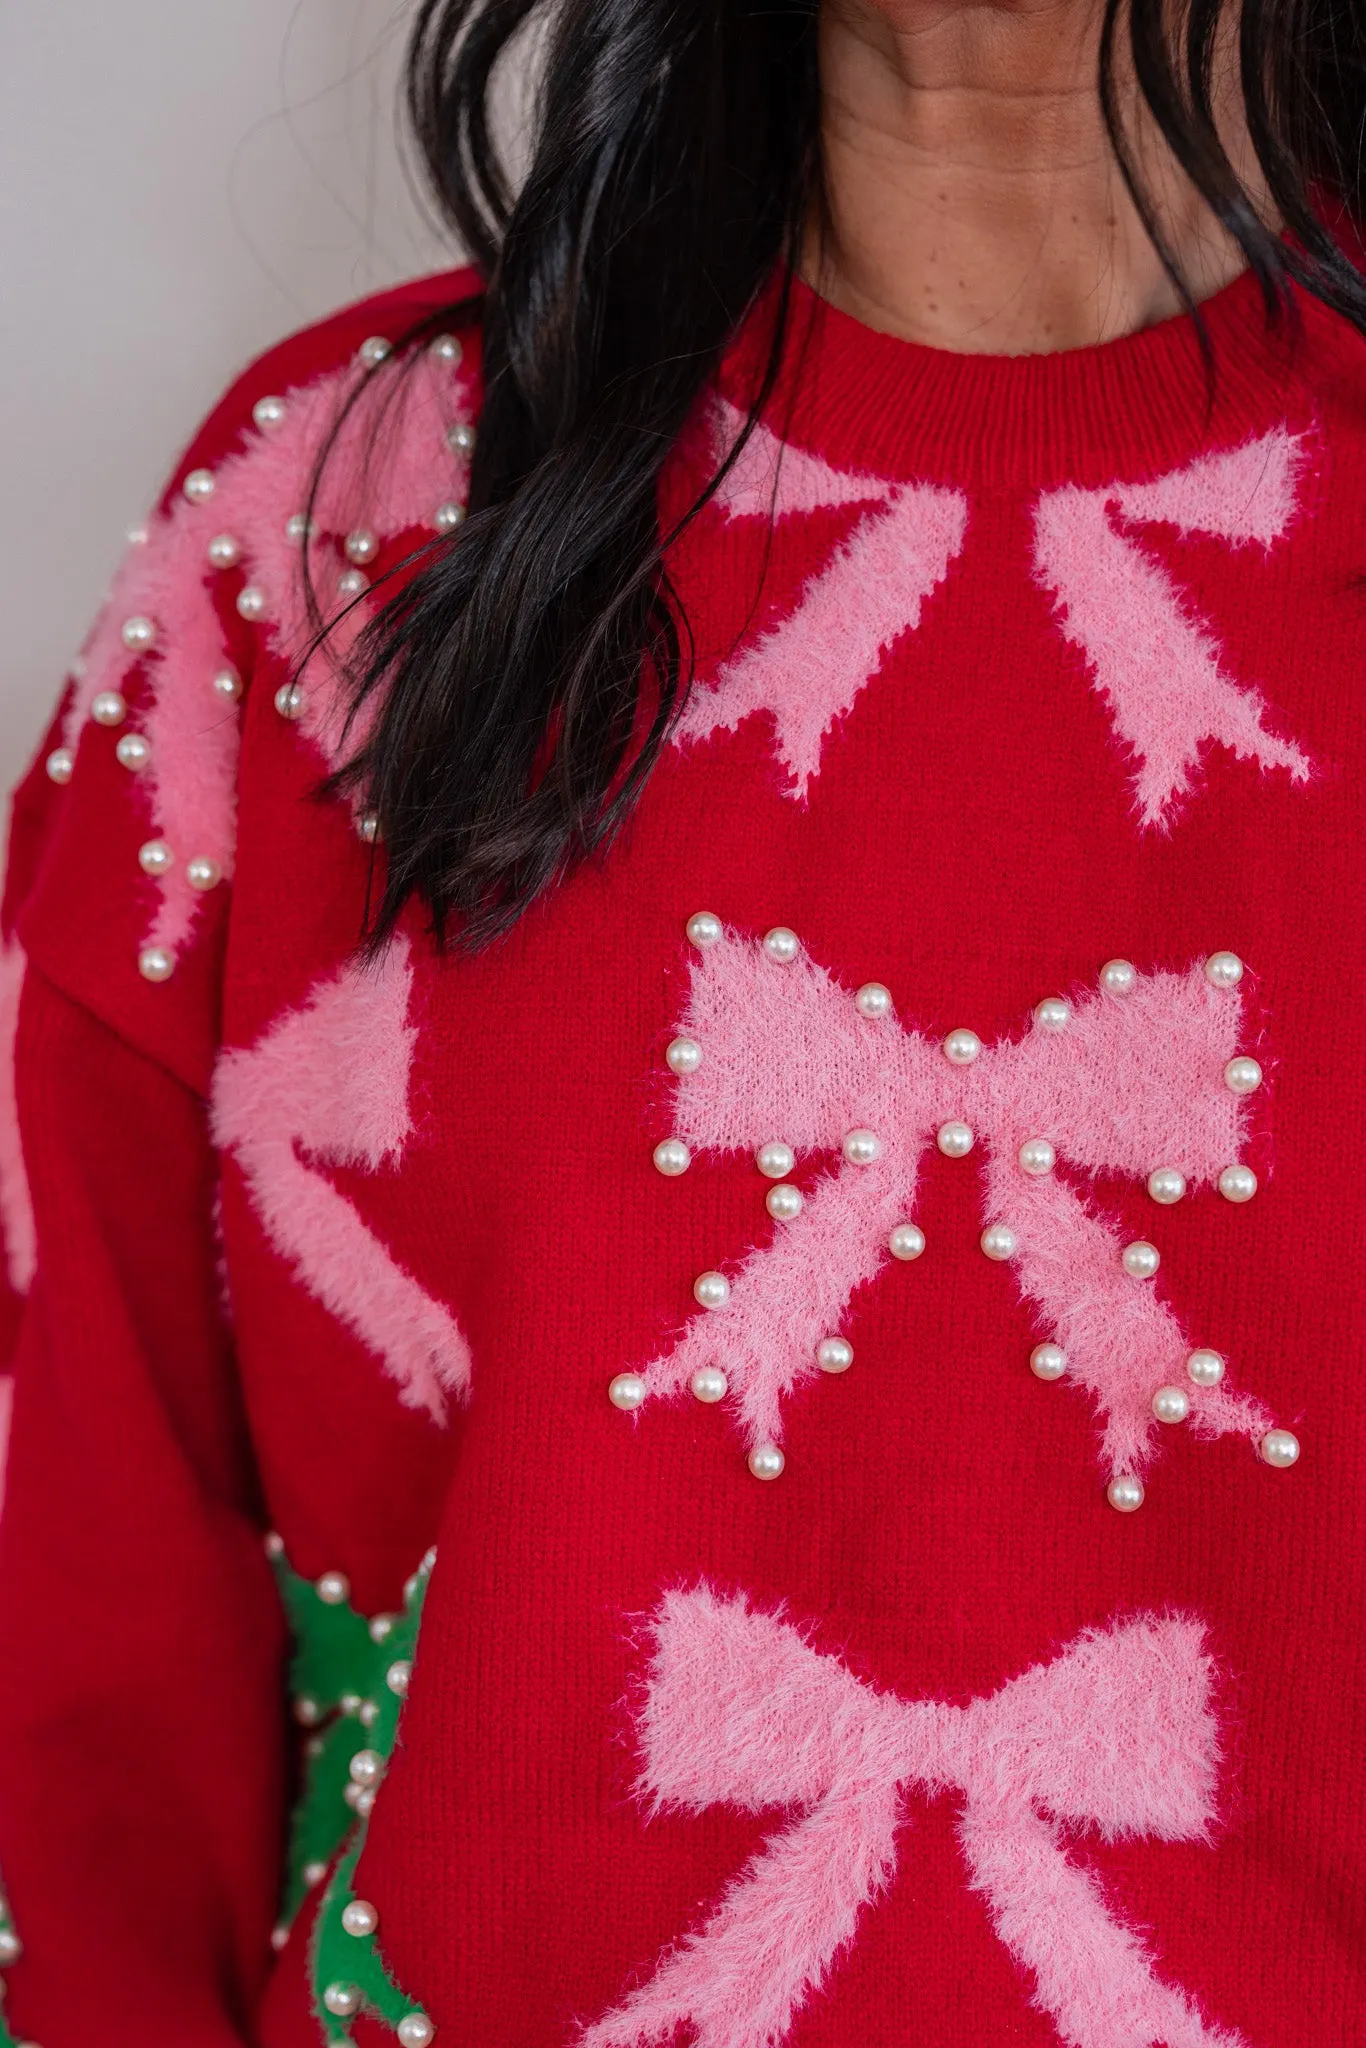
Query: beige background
[181, 182]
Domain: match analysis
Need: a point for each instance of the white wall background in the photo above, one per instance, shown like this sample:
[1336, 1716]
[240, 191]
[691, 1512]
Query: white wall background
[181, 183]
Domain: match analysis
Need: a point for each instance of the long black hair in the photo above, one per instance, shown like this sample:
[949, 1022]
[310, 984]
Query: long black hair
[526, 674]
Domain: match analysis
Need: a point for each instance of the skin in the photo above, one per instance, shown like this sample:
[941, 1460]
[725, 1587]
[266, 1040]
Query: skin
[972, 198]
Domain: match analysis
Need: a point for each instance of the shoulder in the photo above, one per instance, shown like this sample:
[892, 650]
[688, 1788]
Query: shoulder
[350, 440]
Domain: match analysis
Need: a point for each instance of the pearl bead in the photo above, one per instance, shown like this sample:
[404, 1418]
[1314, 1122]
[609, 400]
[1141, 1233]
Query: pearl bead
[381, 1627]
[154, 857]
[766, 1461]
[361, 546]
[955, 1140]
[782, 945]
[834, 1354]
[1140, 1259]
[366, 1768]
[333, 1589]
[684, 1055]
[60, 764]
[712, 1290]
[704, 929]
[448, 517]
[1279, 1448]
[307, 1711]
[672, 1157]
[907, 1241]
[269, 413]
[861, 1148]
[775, 1161]
[1037, 1156]
[350, 1703]
[136, 536]
[138, 634]
[313, 1873]
[1171, 1404]
[1118, 977]
[398, 1675]
[199, 486]
[133, 751]
[372, 351]
[342, 1999]
[11, 1948]
[299, 527]
[1243, 1075]
[1166, 1185]
[224, 551]
[279, 1938]
[1237, 1183]
[708, 1384]
[999, 1241]
[109, 708]
[359, 1800]
[251, 602]
[203, 873]
[962, 1047]
[1048, 1361]
[1205, 1368]
[367, 827]
[446, 348]
[873, 1000]
[1125, 1494]
[1224, 970]
[155, 964]
[626, 1391]
[1052, 1014]
[289, 700]
[359, 1917]
[461, 439]
[783, 1203]
[415, 2030]
[352, 583]
[228, 684]
[273, 1543]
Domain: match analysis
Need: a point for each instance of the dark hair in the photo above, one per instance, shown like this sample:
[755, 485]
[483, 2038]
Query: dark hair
[527, 672]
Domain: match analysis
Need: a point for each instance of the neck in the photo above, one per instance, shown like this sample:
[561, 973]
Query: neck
[972, 198]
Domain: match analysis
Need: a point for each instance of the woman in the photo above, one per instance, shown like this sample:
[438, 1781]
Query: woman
[634, 813]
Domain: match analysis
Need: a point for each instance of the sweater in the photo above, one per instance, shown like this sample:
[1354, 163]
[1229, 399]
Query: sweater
[775, 1460]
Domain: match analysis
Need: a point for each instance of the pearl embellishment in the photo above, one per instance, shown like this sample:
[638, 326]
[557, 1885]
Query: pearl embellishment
[342, 1999]
[359, 1917]
[333, 1588]
[251, 602]
[1243, 1075]
[289, 700]
[1118, 977]
[873, 1000]
[1224, 970]
[1048, 1361]
[361, 546]
[155, 963]
[313, 1873]
[60, 764]
[227, 683]
[448, 517]
[783, 1203]
[446, 348]
[684, 1055]
[299, 527]
[108, 708]
[154, 857]
[704, 929]
[1279, 1448]
[367, 827]
[398, 1675]
[861, 1148]
[366, 1768]
[775, 1161]
[224, 551]
[672, 1157]
[1125, 1494]
[782, 945]
[1237, 1183]
[1166, 1185]
[1205, 1368]
[461, 439]
[907, 1241]
[269, 413]
[133, 751]
[352, 583]
[712, 1290]
[1171, 1404]
[415, 2030]
[766, 1461]
[962, 1047]
[1037, 1156]
[954, 1140]
[999, 1241]
[1053, 1014]
[203, 873]
[708, 1384]
[198, 486]
[372, 351]
[1140, 1259]
[11, 1948]
[627, 1391]
[834, 1354]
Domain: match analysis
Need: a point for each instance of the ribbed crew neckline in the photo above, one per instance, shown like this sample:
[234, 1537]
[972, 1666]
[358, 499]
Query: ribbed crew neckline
[1137, 405]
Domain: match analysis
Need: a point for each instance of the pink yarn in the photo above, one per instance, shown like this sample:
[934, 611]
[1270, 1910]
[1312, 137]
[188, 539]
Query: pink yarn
[1116, 1737]
[806, 671]
[328, 1084]
[16, 1204]
[1131, 1084]
[1155, 663]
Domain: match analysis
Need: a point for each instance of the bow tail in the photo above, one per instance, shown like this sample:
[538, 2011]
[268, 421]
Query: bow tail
[1092, 1975]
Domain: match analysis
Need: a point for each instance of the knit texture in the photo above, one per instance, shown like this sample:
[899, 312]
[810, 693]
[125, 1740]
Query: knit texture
[978, 987]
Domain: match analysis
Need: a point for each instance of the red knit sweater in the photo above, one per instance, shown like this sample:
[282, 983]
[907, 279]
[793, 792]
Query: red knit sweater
[798, 1665]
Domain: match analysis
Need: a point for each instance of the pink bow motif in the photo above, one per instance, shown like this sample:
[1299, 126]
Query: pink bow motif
[1115, 1737]
[1141, 1076]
